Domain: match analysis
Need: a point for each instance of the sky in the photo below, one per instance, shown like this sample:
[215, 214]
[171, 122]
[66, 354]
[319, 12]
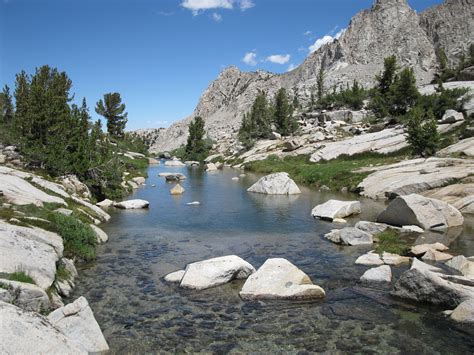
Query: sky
[160, 55]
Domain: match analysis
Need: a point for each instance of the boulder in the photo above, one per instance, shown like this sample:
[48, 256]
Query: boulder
[275, 135]
[99, 212]
[370, 259]
[292, 144]
[372, 227]
[461, 196]
[139, 180]
[421, 249]
[78, 323]
[423, 283]
[451, 116]
[177, 190]
[424, 212]
[105, 203]
[215, 272]
[174, 163]
[378, 274]
[192, 163]
[211, 167]
[172, 176]
[464, 313]
[394, 259]
[280, 279]
[175, 277]
[434, 255]
[75, 187]
[26, 296]
[349, 236]
[275, 184]
[153, 161]
[132, 204]
[463, 265]
[102, 237]
[25, 332]
[336, 209]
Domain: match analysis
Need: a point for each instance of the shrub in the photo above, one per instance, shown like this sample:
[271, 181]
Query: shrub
[79, 238]
[422, 132]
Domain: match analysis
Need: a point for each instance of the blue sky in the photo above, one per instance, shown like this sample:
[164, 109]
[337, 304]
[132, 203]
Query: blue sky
[161, 54]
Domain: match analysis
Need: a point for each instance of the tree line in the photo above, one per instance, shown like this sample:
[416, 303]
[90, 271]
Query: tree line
[57, 136]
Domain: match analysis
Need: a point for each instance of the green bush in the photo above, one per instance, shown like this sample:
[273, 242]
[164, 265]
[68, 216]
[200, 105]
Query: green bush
[79, 238]
[422, 132]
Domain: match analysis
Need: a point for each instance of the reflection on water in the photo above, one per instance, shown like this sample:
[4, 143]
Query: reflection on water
[139, 313]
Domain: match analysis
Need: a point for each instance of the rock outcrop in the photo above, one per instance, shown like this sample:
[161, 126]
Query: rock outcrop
[424, 212]
[280, 279]
[24, 332]
[275, 184]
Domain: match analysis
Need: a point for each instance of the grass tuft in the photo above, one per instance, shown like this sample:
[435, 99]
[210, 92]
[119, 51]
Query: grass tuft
[21, 276]
[390, 242]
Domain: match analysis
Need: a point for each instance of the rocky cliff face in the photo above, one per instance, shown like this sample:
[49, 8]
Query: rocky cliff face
[389, 27]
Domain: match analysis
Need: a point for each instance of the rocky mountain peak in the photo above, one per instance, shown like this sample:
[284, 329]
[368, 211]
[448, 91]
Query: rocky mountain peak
[389, 27]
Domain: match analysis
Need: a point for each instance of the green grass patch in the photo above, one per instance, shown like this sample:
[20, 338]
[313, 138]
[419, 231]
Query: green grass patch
[335, 174]
[62, 274]
[390, 242]
[6, 213]
[79, 238]
[21, 276]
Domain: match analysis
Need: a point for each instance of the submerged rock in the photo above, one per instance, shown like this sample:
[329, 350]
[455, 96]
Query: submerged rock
[378, 274]
[280, 279]
[78, 323]
[132, 204]
[25, 332]
[275, 184]
[174, 277]
[336, 209]
[215, 272]
[177, 190]
[424, 212]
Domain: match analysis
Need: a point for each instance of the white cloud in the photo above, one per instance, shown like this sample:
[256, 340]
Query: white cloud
[246, 4]
[307, 33]
[278, 58]
[250, 58]
[217, 17]
[197, 6]
[291, 67]
[324, 40]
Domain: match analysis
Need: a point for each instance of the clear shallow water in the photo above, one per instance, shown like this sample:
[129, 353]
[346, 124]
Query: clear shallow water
[139, 313]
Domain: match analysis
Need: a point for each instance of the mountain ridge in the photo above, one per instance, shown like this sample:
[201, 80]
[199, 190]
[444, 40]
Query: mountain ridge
[388, 27]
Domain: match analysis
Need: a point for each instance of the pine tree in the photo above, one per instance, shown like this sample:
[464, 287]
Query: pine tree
[283, 116]
[113, 110]
[385, 80]
[7, 110]
[196, 146]
[260, 116]
[404, 93]
[320, 83]
[422, 133]
[22, 93]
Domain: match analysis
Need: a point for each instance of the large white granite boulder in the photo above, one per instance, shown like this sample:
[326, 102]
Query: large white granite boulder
[214, 272]
[275, 184]
[421, 211]
[378, 274]
[132, 204]
[280, 279]
[336, 209]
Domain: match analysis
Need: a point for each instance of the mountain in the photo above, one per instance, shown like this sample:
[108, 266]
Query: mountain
[389, 27]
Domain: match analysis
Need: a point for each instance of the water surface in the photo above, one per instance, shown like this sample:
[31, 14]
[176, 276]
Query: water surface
[139, 312]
